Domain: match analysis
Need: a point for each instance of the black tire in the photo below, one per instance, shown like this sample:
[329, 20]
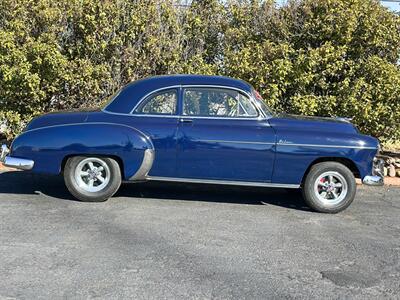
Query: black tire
[79, 190]
[340, 173]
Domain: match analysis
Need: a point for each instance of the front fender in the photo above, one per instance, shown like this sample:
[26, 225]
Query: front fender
[296, 150]
[49, 146]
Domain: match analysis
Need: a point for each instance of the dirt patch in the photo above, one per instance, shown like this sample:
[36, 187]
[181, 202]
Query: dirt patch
[392, 181]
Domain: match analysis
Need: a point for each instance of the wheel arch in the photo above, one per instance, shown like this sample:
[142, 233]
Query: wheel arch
[50, 147]
[342, 160]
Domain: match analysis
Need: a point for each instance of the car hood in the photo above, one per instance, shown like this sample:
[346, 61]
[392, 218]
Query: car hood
[59, 118]
[297, 122]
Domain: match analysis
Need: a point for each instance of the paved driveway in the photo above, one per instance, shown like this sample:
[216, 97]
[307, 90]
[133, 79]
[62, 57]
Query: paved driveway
[192, 241]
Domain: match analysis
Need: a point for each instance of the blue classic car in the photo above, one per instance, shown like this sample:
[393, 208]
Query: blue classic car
[201, 129]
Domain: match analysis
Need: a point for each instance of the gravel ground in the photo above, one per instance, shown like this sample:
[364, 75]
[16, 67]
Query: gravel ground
[184, 241]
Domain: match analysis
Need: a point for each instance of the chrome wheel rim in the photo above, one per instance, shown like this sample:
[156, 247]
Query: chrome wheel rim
[331, 188]
[92, 174]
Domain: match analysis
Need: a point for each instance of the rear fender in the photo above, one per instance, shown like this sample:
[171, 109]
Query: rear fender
[48, 146]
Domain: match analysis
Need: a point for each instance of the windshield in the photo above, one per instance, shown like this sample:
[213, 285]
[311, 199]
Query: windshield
[261, 103]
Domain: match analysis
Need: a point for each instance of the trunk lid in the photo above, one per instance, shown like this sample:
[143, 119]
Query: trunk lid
[59, 118]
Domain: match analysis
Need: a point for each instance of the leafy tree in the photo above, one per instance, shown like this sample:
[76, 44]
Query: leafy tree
[320, 58]
[314, 57]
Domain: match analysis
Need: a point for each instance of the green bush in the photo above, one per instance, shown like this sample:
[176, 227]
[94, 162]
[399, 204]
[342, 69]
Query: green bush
[312, 57]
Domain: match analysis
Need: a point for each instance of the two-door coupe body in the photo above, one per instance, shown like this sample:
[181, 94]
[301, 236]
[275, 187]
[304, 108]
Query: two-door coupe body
[201, 129]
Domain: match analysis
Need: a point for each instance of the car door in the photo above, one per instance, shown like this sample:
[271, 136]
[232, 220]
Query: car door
[157, 117]
[222, 137]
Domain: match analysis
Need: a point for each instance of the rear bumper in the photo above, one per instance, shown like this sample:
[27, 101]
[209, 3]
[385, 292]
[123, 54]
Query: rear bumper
[376, 179]
[14, 162]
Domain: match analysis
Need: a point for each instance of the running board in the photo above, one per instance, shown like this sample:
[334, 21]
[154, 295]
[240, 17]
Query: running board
[225, 182]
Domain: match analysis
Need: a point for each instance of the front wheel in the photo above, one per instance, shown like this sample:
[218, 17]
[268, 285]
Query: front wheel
[329, 187]
[92, 179]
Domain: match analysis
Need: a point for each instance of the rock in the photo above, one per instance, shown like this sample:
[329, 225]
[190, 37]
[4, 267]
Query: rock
[392, 171]
[385, 171]
[390, 160]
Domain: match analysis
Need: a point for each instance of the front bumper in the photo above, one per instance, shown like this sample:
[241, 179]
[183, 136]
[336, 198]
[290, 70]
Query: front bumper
[376, 179]
[14, 162]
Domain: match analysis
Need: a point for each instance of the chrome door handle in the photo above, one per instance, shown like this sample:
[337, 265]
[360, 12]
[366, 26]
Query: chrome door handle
[184, 120]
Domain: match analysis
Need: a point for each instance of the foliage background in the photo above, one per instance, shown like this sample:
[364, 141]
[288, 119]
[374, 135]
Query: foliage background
[312, 57]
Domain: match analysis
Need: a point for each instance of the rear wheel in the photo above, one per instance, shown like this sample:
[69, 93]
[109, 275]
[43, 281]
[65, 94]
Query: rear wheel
[92, 179]
[329, 187]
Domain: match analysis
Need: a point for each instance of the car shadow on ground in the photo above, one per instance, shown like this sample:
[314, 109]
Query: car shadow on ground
[53, 186]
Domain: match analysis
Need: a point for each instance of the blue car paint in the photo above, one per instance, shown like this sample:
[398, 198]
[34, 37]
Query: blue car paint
[57, 118]
[267, 149]
[130, 95]
[161, 131]
[301, 141]
[49, 146]
[223, 149]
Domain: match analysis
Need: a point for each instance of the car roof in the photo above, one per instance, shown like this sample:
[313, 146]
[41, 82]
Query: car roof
[127, 98]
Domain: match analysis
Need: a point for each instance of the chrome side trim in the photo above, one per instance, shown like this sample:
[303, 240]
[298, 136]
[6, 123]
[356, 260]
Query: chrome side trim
[18, 163]
[234, 142]
[147, 163]
[325, 146]
[225, 182]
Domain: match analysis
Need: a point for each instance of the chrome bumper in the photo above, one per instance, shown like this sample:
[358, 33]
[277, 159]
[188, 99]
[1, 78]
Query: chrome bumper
[376, 179]
[14, 162]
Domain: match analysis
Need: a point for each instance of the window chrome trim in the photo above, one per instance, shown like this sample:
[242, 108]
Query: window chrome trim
[261, 115]
[225, 182]
[184, 117]
[222, 87]
[141, 115]
[157, 91]
[222, 118]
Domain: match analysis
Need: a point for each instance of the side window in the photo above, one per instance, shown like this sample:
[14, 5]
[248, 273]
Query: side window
[216, 102]
[162, 103]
